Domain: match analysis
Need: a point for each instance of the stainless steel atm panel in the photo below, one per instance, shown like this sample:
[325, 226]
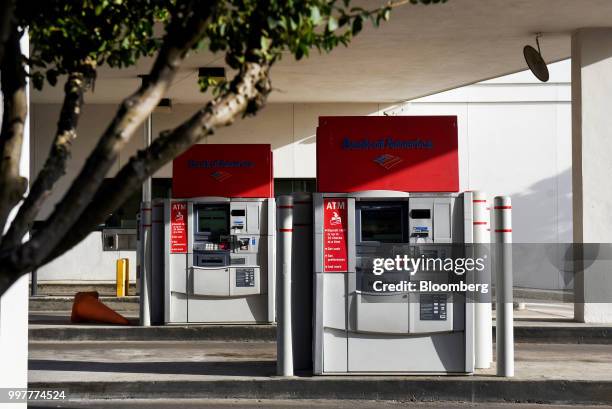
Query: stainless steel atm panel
[227, 274]
[358, 330]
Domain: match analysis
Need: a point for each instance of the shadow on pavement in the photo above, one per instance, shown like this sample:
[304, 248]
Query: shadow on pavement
[236, 368]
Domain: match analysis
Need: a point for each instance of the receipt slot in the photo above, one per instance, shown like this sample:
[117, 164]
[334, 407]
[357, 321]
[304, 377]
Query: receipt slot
[217, 237]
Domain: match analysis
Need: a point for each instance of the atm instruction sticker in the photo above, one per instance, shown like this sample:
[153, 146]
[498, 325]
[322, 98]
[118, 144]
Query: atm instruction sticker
[335, 254]
[178, 227]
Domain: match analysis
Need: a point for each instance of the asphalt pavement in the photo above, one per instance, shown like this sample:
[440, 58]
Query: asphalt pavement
[292, 404]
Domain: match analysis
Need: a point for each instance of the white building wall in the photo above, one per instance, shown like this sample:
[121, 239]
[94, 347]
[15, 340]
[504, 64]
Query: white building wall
[515, 138]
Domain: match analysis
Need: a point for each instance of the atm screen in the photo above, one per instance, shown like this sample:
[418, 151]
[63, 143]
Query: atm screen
[214, 220]
[382, 223]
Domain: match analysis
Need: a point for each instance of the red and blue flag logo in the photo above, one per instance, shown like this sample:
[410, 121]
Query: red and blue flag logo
[220, 175]
[387, 161]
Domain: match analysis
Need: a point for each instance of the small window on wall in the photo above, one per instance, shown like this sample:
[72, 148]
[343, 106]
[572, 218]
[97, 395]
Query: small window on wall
[125, 216]
[288, 186]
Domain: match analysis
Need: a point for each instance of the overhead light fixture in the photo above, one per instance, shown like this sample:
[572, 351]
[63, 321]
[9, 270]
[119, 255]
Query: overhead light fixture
[535, 62]
[216, 74]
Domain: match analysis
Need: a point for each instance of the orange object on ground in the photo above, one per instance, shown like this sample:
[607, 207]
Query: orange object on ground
[87, 308]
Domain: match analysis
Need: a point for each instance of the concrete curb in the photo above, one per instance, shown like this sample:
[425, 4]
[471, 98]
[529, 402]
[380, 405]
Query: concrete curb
[161, 333]
[64, 303]
[67, 288]
[522, 334]
[563, 335]
[464, 389]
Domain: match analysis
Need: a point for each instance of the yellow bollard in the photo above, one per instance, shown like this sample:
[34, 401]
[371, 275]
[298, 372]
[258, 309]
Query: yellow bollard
[123, 277]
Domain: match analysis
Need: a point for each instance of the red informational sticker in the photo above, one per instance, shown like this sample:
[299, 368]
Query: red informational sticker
[335, 254]
[178, 227]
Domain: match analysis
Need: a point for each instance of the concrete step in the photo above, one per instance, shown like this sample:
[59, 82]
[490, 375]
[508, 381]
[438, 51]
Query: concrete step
[419, 389]
[71, 288]
[544, 373]
[155, 333]
[64, 303]
[522, 294]
[553, 333]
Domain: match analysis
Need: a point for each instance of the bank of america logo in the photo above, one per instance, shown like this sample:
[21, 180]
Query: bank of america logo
[387, 161]
[220, 175]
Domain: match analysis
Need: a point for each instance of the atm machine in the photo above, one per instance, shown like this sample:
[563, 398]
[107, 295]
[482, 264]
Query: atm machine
[387, 186]
[216, 237]
[360, 330]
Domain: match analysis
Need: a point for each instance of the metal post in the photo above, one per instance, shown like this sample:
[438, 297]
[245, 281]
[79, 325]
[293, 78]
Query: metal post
[483, 337]
[503, 254]
[148, 137]
[284, 344]
[34, 283]
[145, 220]
[145, 264]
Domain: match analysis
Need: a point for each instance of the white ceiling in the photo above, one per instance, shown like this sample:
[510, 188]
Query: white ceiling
[422, 50]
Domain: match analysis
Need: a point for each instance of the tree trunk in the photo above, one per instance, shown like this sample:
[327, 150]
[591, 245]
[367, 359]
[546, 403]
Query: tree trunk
[55, 165]
[12, 185]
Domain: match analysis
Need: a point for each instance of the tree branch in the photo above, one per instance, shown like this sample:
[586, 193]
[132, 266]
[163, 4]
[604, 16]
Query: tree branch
[55, 165]
[184, 31]
[249, 89]
[12, 185]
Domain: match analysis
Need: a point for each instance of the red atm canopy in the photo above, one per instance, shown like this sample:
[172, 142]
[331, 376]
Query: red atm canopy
[223, 170]
[403, 153]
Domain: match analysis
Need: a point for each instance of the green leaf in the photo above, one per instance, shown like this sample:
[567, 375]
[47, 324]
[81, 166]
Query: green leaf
[315, 15]
[272, 22]
[265, 43]
[332, 23]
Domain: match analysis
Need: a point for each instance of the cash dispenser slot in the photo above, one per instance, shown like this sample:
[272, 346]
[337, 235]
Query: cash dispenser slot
[211, 259]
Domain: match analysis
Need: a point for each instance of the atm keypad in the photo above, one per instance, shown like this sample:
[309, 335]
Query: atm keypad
[245, 277]
[433, 307]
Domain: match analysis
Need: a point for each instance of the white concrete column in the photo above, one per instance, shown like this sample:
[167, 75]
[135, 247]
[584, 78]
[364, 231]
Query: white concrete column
[592, 167]
[14, 303]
